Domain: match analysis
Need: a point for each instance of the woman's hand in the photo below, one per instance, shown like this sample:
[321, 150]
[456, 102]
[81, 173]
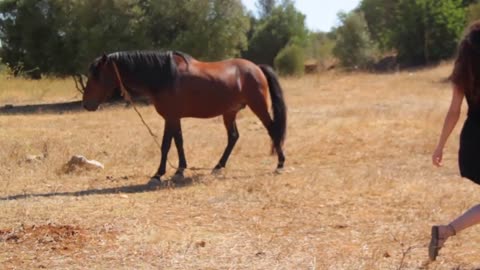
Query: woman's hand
[437, 157]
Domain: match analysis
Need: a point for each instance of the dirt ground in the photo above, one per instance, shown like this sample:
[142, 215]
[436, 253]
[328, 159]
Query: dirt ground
[358, 191]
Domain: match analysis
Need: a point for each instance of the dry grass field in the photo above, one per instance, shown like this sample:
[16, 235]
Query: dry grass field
[359, 191]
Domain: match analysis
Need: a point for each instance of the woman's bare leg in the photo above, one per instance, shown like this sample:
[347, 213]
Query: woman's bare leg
[441, 233]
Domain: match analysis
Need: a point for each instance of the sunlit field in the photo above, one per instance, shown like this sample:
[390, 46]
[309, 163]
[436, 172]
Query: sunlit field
[358, 191]
[17, 91]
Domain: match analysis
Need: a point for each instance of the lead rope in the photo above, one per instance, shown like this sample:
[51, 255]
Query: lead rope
[128, 98]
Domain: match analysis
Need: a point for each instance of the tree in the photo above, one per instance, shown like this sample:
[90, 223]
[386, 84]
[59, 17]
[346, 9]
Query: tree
[285, 25]
[207, 29]
[217, 29]
[61, 37]
[31, 40]
[467, 3]
[427, 31]
[265, 7]
[421, 31]
[378, 15]
[354, 47]
[104, 26]
[320, 47]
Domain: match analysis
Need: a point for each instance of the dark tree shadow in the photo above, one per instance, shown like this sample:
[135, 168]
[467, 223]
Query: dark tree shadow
[62, 107]
[42, 108]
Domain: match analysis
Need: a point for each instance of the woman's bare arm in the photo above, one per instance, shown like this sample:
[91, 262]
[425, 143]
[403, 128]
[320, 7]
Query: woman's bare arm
[449, 124]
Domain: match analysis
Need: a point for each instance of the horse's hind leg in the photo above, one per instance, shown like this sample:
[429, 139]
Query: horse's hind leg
[233, 135]
[279, 151]
[259, 106]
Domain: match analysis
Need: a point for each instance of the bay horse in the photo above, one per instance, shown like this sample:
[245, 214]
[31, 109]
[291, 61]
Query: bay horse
[180, 86]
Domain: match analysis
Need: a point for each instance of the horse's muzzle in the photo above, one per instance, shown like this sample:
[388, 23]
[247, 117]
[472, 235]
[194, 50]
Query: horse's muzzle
[90, 106]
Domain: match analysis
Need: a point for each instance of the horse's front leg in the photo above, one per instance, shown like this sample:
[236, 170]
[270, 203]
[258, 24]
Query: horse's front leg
[168, 133]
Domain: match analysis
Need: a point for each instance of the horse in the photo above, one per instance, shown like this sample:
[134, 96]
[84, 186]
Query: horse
[180, 86]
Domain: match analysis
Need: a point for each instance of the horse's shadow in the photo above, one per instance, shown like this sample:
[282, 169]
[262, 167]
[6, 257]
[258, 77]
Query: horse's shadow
[151, 186]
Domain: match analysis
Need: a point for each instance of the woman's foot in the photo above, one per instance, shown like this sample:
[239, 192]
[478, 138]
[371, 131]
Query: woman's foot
[440, 234]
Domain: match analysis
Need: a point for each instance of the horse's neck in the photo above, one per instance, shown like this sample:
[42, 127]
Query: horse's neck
[136, 88]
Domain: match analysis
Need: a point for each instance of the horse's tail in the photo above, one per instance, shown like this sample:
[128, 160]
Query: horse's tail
[278, 129]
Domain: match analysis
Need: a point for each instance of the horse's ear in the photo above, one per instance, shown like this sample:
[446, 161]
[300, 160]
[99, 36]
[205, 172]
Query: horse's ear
[104, 58]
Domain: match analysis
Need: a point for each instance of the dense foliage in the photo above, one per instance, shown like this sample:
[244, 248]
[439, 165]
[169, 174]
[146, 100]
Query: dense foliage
[427, 31]
[420, 31]
[354, 47]
[60, 37]
[283, 26]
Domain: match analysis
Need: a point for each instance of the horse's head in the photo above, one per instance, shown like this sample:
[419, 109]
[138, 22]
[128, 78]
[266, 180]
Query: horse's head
[101, 83]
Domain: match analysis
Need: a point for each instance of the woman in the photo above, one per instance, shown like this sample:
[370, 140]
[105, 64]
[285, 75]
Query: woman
[466, 83]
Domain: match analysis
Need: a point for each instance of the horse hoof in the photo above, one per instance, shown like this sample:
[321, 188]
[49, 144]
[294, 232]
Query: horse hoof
[179, 173]
[154, 181]
[180, 181]
[279, 171]
[177, 177]
[217, 171]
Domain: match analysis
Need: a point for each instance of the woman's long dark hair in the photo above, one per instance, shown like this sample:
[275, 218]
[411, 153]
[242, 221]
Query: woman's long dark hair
[466, 72]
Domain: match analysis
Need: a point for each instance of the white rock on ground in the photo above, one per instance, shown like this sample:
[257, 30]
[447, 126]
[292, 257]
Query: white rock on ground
[81, 162]
[34, 158]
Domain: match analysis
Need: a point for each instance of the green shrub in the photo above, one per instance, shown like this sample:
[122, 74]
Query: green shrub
[284, 25]
[320, 48]
[290, 61]
[354, 47]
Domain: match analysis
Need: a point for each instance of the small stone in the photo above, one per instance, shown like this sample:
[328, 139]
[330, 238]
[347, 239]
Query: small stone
[260, 254]
[34, 158]
[80, 162]
[200, 244]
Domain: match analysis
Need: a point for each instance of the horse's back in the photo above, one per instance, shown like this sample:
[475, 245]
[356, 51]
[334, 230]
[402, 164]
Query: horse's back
[233, 74]
[225, 67]
[209, 89]
[251, 83]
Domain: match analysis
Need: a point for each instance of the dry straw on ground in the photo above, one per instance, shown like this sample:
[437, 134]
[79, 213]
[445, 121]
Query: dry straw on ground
[358, 192]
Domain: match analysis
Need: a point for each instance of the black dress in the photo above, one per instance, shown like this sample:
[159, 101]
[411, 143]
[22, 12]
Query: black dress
[469, 153]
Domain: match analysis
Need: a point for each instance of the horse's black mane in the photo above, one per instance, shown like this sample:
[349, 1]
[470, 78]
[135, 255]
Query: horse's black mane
[154, 69]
